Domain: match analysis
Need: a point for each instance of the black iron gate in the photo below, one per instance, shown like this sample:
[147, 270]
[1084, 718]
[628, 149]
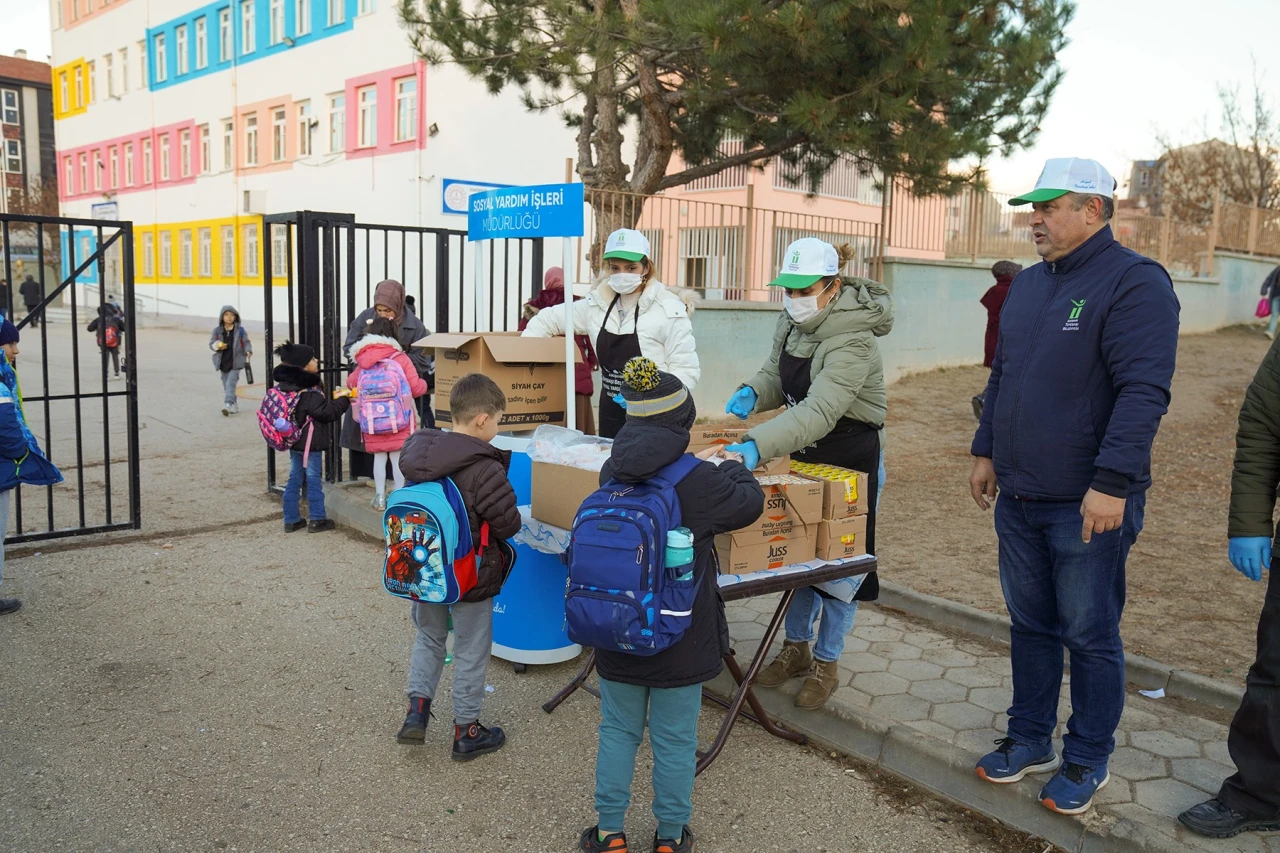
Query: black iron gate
[85, 419]
[320, 270]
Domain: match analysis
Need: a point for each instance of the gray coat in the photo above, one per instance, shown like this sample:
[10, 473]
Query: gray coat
[242, 347]
[411, 331]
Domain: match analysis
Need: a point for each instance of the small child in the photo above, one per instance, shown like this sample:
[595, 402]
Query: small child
[665, 689]
[231, 350]
[299, 371]
[378, 344]
[1004, 273]
[480, 472]
[109, 324]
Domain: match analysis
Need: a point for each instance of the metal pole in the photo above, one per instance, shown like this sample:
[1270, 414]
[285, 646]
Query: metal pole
[570, 384]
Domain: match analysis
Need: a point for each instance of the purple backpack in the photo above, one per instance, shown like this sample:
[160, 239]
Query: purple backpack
[275, 420]
[384, 400]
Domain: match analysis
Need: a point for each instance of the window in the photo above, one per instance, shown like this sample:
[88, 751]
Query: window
[148, 255]
[180, 45]
[228, 144]
[246, 26]
[337, 123]
[202, 43]
[406, 109]
[142, 64]
[57, 14]
[107, 62]
[337, 11]
[124, 69]
[9, 103]
[228, 251]
[278, 121]
[113, 164]
[63, 91]
[251, 139]
[224, 35]
[128, 164]
[13, 155]
[279, 251]
[277, 21]
[304, 128]
[302, 17]
[79, 86]
[84, 173]
[206, 158]
[250, 261]
[166, 253]
[206, 253]
[164, 156]
[184, 253]
[366, 7]
[368, 97]
[146, 161]
[161, 72]
[97, 171]
[184, 153]
[92, 70]
[69, 172]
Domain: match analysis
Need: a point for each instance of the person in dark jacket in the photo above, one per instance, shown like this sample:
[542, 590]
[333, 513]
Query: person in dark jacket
[993, 301]
[1080, 380]
[32, 295]
[666, 688]
[1250, 799]
[1271, 292]
[232, 350]
[109, 342]
[479, 470]
[552, 293]
[21, 460]
[299, 371]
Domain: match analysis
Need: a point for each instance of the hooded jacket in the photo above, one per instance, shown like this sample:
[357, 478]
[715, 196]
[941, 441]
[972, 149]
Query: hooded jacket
[367, 352]
[713, 500]
[993, 301]
[479, 470]
[241, 348]
[21, 460]
[108, 315]
[664, 330]
[847, 372]
[1271, 284]
[313, 403]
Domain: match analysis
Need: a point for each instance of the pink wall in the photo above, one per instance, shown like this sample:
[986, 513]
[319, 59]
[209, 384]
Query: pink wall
[386, 120]
[87, 9]
[72, 190]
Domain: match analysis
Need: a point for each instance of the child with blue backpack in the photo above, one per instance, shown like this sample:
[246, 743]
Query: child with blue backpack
[662, 690]
[479, 470]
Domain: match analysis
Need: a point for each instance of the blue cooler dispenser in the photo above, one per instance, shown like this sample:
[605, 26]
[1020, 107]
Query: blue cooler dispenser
[528, 616]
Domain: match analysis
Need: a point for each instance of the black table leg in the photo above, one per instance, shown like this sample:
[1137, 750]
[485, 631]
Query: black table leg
[578, 681]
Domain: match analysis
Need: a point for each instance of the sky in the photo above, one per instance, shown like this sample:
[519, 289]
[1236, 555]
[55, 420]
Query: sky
[1135, 70]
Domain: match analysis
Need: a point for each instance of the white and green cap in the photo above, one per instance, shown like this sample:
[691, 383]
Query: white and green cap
[805, 262]
[1063, 175]
[627, 245]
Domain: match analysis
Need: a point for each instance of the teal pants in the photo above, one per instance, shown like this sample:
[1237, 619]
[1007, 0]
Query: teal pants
[672, 716]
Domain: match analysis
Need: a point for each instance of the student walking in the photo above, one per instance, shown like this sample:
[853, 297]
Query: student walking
[232, 349]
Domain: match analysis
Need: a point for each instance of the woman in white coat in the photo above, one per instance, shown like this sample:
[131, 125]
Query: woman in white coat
[629, 314]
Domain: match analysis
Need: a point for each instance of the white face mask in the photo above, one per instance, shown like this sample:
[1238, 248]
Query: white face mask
[625, 282]
[803, 308]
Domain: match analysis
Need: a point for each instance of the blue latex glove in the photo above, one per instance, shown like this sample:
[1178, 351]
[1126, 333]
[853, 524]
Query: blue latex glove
[749, 452]
[618, 398]
[742, 403]
[1250, 555]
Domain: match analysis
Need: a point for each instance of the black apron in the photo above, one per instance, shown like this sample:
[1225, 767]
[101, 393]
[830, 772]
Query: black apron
[850, 444]
[613, 352]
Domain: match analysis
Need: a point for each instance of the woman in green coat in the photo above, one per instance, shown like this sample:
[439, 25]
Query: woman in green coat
[825, 367]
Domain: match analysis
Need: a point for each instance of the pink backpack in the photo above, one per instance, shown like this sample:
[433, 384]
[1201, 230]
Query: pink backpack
[275, 420]
[384, 400]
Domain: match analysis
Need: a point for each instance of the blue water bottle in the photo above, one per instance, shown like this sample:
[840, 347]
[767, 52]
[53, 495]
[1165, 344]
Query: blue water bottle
[679, 555]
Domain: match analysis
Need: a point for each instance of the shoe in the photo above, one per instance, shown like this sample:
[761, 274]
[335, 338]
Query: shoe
[10, 605]
[226, 410]
[682, 845]
[414, 729]
[1215, 819]
[1071, 790]
[474, 740]
[294, 527]
[977, 406]
[1013, 760]
[379, 502]
[590, 841]
[235, 408]
[794, 659]
[320, 525]
[823, 680]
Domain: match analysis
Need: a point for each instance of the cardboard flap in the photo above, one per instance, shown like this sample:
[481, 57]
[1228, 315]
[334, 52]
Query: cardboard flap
[749, 538]
[444, 340]
[508, 349]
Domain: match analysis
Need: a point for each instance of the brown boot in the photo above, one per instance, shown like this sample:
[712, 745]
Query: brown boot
[794, 659]
[818, 687]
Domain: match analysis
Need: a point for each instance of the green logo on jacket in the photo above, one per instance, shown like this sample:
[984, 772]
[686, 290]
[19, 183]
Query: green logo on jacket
[1077, 307]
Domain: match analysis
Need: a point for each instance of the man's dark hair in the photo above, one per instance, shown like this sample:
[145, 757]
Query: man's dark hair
[476, 394]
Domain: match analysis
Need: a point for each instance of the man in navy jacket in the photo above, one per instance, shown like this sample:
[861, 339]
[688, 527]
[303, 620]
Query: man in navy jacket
[1080, 381]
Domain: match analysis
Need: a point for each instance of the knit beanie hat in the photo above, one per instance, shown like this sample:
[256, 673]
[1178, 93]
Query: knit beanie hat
[295, 355]
[654, 397]
[8, 332]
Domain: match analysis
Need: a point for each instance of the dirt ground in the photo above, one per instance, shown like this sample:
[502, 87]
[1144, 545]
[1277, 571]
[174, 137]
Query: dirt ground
[1186, 606]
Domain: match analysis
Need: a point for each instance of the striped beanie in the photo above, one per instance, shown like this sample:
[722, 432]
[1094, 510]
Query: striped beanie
[654, 397]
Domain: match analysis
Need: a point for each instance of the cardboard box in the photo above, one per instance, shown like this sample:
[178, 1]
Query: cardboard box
[846, 493]
[530, 372]
[742, 554]
[791, 509]
[846, 537]
[719, 435]
[558, 491]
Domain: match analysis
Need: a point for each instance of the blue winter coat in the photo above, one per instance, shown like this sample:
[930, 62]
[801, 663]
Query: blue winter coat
[1081, 375]
[21, 460]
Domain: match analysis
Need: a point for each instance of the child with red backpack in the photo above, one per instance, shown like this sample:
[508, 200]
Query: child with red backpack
[296, 414]
[109, 324]
[386, 383]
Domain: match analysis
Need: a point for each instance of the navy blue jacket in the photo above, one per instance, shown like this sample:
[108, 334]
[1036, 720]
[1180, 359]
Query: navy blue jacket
[1081, 374]
[21, 460]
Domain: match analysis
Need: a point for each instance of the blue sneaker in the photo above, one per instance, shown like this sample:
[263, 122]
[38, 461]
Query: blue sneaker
[1071, 790]
[1012, 760]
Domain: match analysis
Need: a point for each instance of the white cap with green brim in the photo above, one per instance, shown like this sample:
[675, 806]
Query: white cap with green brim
[1063, 175]
[626, 244]
[807, 261]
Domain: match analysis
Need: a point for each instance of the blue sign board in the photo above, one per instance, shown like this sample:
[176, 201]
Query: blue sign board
[547, 210]
[455, 193]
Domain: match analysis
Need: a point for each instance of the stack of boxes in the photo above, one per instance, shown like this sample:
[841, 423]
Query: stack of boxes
[843, 530]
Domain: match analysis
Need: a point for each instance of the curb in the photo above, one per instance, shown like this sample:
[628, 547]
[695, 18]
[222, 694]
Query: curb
[1143, 671]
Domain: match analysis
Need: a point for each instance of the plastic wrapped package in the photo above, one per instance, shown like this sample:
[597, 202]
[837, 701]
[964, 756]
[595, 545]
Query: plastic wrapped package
[568, 447]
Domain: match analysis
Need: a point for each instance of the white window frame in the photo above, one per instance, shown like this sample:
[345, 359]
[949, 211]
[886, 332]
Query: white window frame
[206, 150]
[279, 138]
[279, 251]
[148, 255]
[366, 7]
[108, 63]
[228, 144]
[64, 90]
[91, 71]
[202, 43]
[206, 252]
[184, 253]
[79, 87]
[166, 254]
[97, 170]
[338, 123]
[276, 12]
[162, 153]
[406, 110]
[113, 166]
[180, 45]
[84, 172]
[12, 156]
[248, 20]
[302, 17]
[226, 44]
[142, 64]
[228, 251]
[304, 128]
[251, 139]
[69, 166]
[9, 114]
[249, 263]
[337, 12]
[124, 70]
[367, 98]
[148, 171]
[128, 164]
[184, 152]
[162, 73]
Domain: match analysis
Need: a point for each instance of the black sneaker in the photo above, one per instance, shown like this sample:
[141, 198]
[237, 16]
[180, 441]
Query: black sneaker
[295, 527]
[320, 525]
[590, 841]
[414, 729]
[474, 740]
[682, 845]
[10, 605]
[1215, 819]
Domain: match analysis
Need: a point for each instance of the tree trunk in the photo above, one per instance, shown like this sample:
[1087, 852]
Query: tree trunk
[611, 209]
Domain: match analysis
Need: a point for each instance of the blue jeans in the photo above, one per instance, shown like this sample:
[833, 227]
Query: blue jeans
[803, 612]
[1063, 593]
[1275, 314]
[315, 487]
[673, 736]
